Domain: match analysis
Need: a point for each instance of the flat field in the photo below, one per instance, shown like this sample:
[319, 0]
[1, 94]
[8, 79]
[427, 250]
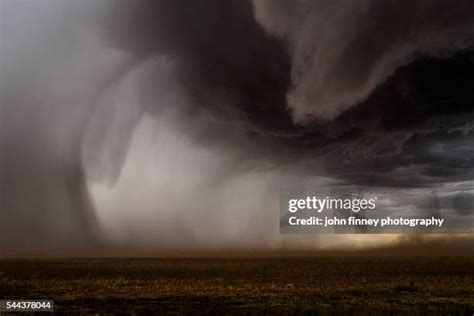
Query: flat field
[270, 285]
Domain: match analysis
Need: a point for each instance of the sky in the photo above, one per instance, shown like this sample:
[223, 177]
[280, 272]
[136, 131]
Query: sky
[163, 126]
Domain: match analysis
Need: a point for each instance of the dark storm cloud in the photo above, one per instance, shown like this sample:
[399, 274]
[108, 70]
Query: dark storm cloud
[222, 52]
[239, 74]
[342, 50]
[373, 94]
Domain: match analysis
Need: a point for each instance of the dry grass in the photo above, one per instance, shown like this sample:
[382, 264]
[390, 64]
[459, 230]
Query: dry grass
[305, 285]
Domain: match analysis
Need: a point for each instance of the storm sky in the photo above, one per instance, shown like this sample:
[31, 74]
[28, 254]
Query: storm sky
[172, 125]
